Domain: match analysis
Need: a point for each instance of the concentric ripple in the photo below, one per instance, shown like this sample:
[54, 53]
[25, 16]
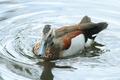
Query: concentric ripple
[21, 22]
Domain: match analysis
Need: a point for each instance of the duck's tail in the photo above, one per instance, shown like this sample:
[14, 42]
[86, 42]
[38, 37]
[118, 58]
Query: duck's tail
[90, 29]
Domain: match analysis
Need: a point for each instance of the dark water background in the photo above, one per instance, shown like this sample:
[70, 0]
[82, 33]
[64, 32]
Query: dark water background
[21, 22]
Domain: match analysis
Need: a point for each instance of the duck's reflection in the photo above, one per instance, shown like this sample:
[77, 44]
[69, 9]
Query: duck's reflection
[94, 50]
[47, 71]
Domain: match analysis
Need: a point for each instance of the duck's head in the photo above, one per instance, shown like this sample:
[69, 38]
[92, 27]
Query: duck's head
[47, 49]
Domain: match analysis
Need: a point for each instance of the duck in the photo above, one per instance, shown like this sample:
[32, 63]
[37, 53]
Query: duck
[67, 40]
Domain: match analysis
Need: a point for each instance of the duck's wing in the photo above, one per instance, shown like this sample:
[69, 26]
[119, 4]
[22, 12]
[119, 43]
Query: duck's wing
[93, 28]
[90, 29]
[86, 24]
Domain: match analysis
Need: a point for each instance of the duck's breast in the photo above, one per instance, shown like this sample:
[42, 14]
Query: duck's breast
[77, 44]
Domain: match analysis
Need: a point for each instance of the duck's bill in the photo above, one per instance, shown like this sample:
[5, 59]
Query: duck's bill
[42, 49]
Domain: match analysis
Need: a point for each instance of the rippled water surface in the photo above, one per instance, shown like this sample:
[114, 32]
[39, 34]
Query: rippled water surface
[21, 22]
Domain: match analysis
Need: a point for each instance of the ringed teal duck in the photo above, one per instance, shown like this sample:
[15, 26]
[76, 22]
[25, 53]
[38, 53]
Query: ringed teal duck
[67, 40]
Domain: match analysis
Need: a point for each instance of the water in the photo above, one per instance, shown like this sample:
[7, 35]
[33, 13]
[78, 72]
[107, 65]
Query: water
[21, 22]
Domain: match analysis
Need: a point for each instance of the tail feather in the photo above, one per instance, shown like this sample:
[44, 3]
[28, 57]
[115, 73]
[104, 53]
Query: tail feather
[98, 27]
[89, 28]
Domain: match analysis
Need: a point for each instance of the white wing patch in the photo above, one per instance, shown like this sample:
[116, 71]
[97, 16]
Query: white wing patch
[77, 44]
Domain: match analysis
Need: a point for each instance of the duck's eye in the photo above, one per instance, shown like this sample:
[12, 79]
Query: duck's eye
[50, 35]
[52, 43]
[50, 38]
